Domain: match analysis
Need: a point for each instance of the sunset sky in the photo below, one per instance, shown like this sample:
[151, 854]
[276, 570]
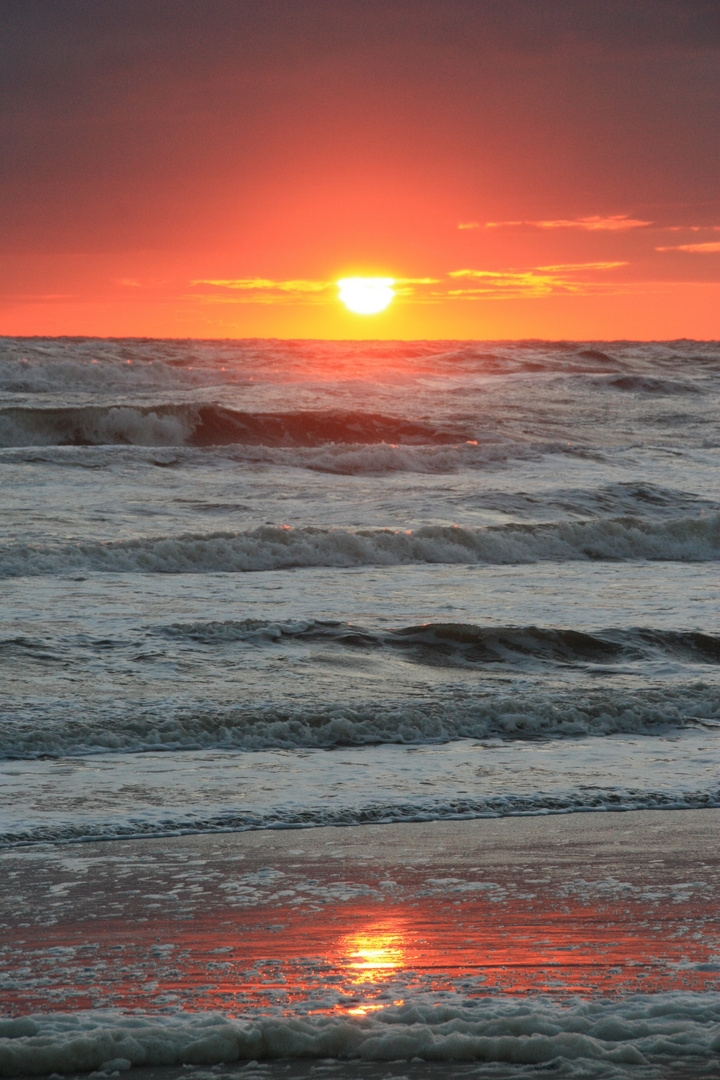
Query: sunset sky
[211, 168]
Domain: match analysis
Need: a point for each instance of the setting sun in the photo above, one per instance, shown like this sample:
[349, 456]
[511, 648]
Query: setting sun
[366, 296]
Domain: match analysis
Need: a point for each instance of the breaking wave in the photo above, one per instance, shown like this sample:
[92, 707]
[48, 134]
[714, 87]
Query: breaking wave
[273, 548]
[671, 1029]
[210, 425]
[167, 726]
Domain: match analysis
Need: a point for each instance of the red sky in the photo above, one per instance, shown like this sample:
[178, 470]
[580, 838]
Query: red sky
[210, 168]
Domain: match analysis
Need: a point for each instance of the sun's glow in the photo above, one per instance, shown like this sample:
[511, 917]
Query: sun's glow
[366, 295]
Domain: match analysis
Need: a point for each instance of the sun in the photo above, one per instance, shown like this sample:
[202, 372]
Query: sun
[366, 295]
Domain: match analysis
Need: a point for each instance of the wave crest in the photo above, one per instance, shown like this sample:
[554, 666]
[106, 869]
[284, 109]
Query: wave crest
[278, 548]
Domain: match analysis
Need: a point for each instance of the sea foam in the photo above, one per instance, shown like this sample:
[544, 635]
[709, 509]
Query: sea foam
[170, 725]
[664, 1029]
[272, 548]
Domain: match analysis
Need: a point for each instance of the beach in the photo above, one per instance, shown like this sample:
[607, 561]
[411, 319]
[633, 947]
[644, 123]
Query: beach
[601, 918]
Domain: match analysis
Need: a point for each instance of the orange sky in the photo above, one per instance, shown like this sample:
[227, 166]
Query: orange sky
[525, 168]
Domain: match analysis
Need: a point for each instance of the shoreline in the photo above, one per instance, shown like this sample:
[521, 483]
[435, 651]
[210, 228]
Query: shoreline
[297, 827]
[515, 835]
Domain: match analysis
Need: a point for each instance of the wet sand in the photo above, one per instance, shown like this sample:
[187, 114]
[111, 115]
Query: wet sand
[584, 903]
[352, 920]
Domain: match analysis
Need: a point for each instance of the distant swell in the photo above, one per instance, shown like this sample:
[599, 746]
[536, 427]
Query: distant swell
[210, 425]
[271, 548]
[647, 384]
[343, 459]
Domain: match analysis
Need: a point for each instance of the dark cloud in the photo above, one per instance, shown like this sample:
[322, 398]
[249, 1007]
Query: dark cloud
[84, 55]
[121, 118]
[121, 35]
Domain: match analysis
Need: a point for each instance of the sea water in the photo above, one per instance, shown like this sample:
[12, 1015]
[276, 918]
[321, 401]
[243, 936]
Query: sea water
[262, 584]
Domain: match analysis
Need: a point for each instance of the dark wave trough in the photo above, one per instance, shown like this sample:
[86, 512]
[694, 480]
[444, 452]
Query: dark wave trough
[444, 642]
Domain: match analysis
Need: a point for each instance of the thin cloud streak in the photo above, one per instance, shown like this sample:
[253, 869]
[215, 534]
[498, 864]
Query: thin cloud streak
[594, 223]
[531, 283]
[262, 290]
[583, 266]
[697, 249]
[299, 285]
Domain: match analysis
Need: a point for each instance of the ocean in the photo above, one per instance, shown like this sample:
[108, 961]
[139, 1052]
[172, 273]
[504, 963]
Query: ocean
[279, 585]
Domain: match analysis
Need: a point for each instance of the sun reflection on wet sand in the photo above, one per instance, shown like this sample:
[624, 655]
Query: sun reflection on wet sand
[356, 958]
[375, 951]
[371, 956]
